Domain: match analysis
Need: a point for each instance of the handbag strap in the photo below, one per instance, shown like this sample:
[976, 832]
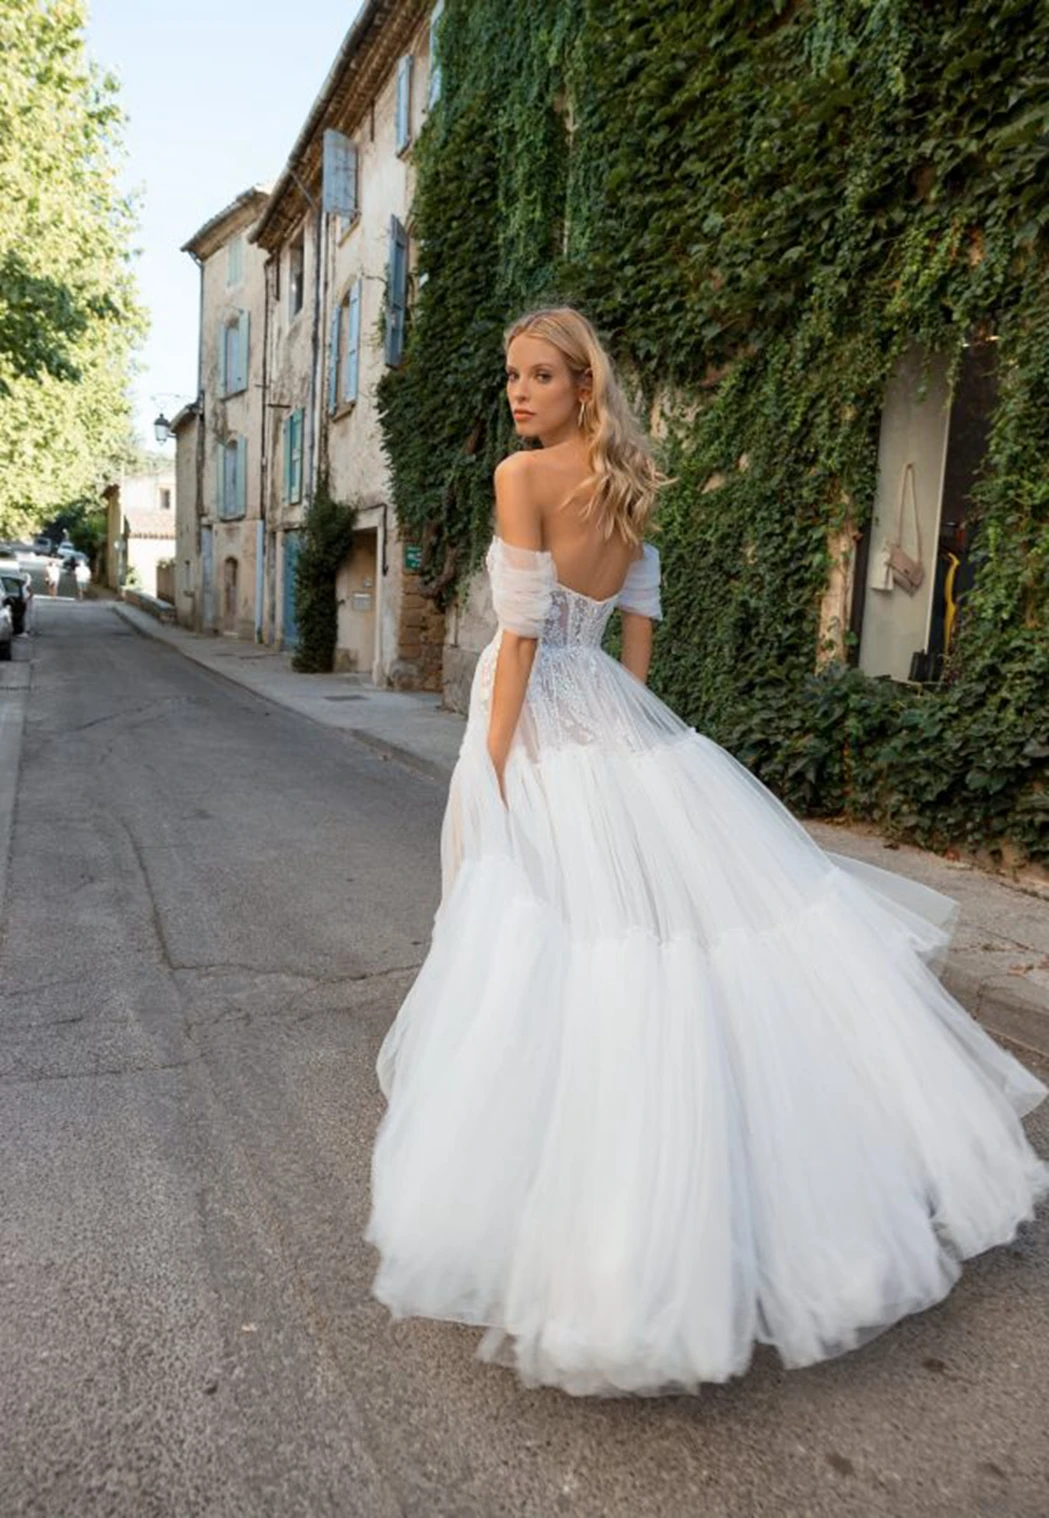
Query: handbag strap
[908, 474]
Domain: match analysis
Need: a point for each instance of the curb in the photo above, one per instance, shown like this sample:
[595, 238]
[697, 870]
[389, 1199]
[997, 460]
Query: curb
[429, 769]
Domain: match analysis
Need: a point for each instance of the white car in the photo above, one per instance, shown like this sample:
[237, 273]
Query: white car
[7, 632]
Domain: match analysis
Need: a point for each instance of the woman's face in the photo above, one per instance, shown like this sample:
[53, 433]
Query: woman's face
[544, 398]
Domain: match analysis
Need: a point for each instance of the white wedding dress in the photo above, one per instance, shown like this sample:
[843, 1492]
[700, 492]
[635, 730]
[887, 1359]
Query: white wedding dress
[672, 1080]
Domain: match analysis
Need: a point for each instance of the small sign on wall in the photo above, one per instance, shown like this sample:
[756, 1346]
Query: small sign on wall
[361, 600]
[413, 558]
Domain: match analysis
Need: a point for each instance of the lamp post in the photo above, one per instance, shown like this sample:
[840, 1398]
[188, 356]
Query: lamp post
[162, 429]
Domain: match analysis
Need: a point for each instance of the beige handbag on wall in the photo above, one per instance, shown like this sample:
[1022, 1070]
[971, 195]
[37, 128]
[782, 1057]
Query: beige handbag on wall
[906, 572]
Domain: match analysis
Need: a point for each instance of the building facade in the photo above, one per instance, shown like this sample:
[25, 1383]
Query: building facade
[140, 528]
[336, 231]
[218, 440]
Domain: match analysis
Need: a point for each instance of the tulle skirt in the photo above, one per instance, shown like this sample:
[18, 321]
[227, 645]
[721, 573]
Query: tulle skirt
[672, 1080]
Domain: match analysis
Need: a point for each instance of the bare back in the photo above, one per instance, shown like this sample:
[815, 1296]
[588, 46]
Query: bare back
[585, 560]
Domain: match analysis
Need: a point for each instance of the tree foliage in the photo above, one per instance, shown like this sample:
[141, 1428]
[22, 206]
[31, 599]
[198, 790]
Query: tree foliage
[68, 315]
[761, 204]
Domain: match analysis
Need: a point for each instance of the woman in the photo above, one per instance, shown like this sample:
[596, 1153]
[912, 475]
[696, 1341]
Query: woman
[672, 1080]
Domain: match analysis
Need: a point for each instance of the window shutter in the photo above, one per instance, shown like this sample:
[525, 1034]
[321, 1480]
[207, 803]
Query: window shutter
[433, 92]
[354, 179]
[397, 291]
[337, 194]
[285, 439]
[404, 102]
[242, 475]
[220, 481]
[222, 357]
[243, 329]
[353, 343]
[333, 360]
[296, 455]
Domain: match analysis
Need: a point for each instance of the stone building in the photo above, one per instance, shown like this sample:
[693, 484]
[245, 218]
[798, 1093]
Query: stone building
[140, 527]
[219, 439]
[336, 232]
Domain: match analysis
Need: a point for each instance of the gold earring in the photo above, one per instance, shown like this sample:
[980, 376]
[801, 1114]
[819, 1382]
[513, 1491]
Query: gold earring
[582, 413]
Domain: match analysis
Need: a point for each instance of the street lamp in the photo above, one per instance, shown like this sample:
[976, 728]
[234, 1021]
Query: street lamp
[162, 429]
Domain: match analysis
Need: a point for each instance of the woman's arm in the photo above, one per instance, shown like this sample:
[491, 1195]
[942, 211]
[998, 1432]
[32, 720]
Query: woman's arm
[517, 523]
[636, 651]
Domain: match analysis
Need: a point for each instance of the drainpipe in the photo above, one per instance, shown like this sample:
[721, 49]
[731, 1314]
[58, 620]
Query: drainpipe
[198, 589]
[317, 349]
[261, 535]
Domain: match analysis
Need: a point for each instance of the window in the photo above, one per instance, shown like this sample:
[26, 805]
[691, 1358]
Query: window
[433, 92]
[232, 482]
[396, 292]
[404, 103]
[344, 348]
[292, 449]
[165, 500]
[233, 353]
[235, 261]
[297, 274]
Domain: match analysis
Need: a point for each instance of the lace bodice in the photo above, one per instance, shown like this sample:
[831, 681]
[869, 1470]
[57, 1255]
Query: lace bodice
[530, 600]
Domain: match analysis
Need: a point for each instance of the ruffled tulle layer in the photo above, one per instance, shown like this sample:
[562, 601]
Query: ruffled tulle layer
[673, 1081]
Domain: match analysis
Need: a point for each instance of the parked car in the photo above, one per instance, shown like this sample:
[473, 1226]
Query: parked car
[42, 544]
[7, 631]
[16, 588]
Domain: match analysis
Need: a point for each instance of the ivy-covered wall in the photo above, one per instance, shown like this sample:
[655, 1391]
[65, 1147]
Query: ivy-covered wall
[761, 205]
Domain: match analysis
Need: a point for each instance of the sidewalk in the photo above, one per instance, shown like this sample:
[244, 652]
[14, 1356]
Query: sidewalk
[999, 962]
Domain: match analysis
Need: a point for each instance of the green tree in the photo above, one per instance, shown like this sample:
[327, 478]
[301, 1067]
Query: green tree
[68, 314]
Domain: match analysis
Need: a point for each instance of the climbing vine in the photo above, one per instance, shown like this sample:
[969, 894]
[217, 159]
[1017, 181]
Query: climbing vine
[327, 540]
[762, 206]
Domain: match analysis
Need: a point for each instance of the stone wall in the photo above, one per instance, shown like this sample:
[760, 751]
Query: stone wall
[420, 642]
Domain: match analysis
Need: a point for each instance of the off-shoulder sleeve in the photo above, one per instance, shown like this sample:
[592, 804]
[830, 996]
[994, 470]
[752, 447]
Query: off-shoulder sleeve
[522, 584]
[640, 591]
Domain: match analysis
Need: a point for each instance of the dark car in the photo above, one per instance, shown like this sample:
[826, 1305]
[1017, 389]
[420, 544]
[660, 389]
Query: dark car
[17, 593]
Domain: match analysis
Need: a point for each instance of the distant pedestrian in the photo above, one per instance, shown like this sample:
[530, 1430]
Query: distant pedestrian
[83, 578]
[53, 573]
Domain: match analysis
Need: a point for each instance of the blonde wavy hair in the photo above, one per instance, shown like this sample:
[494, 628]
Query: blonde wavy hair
[624, 477]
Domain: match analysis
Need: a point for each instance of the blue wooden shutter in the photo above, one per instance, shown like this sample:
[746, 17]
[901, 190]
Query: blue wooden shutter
[353, 163]
[404, 102]
[337, 183]
[285, 440]
[243, 329]
[296, 455]
[222, 357]
[333, 360]
[242, 475]
[397, 292]
[220, 480]
[353, 343]
[433, 92]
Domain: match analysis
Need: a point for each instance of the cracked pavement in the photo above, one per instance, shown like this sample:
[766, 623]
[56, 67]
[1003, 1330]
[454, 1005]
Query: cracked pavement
[213, 910]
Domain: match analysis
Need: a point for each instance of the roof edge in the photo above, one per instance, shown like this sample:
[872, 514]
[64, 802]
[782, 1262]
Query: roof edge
[205, 238]
[350, 45]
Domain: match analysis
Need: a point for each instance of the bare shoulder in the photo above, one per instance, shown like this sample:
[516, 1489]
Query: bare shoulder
[517, 511]
[519, 467]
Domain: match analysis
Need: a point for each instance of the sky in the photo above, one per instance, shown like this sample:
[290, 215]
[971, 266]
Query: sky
[216, 92]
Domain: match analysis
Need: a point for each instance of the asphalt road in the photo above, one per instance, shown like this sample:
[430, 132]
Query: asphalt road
[213, 909]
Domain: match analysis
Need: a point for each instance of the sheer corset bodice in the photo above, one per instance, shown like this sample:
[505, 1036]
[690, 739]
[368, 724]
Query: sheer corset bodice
[573, 620]
[530, 600]
[577, 695]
